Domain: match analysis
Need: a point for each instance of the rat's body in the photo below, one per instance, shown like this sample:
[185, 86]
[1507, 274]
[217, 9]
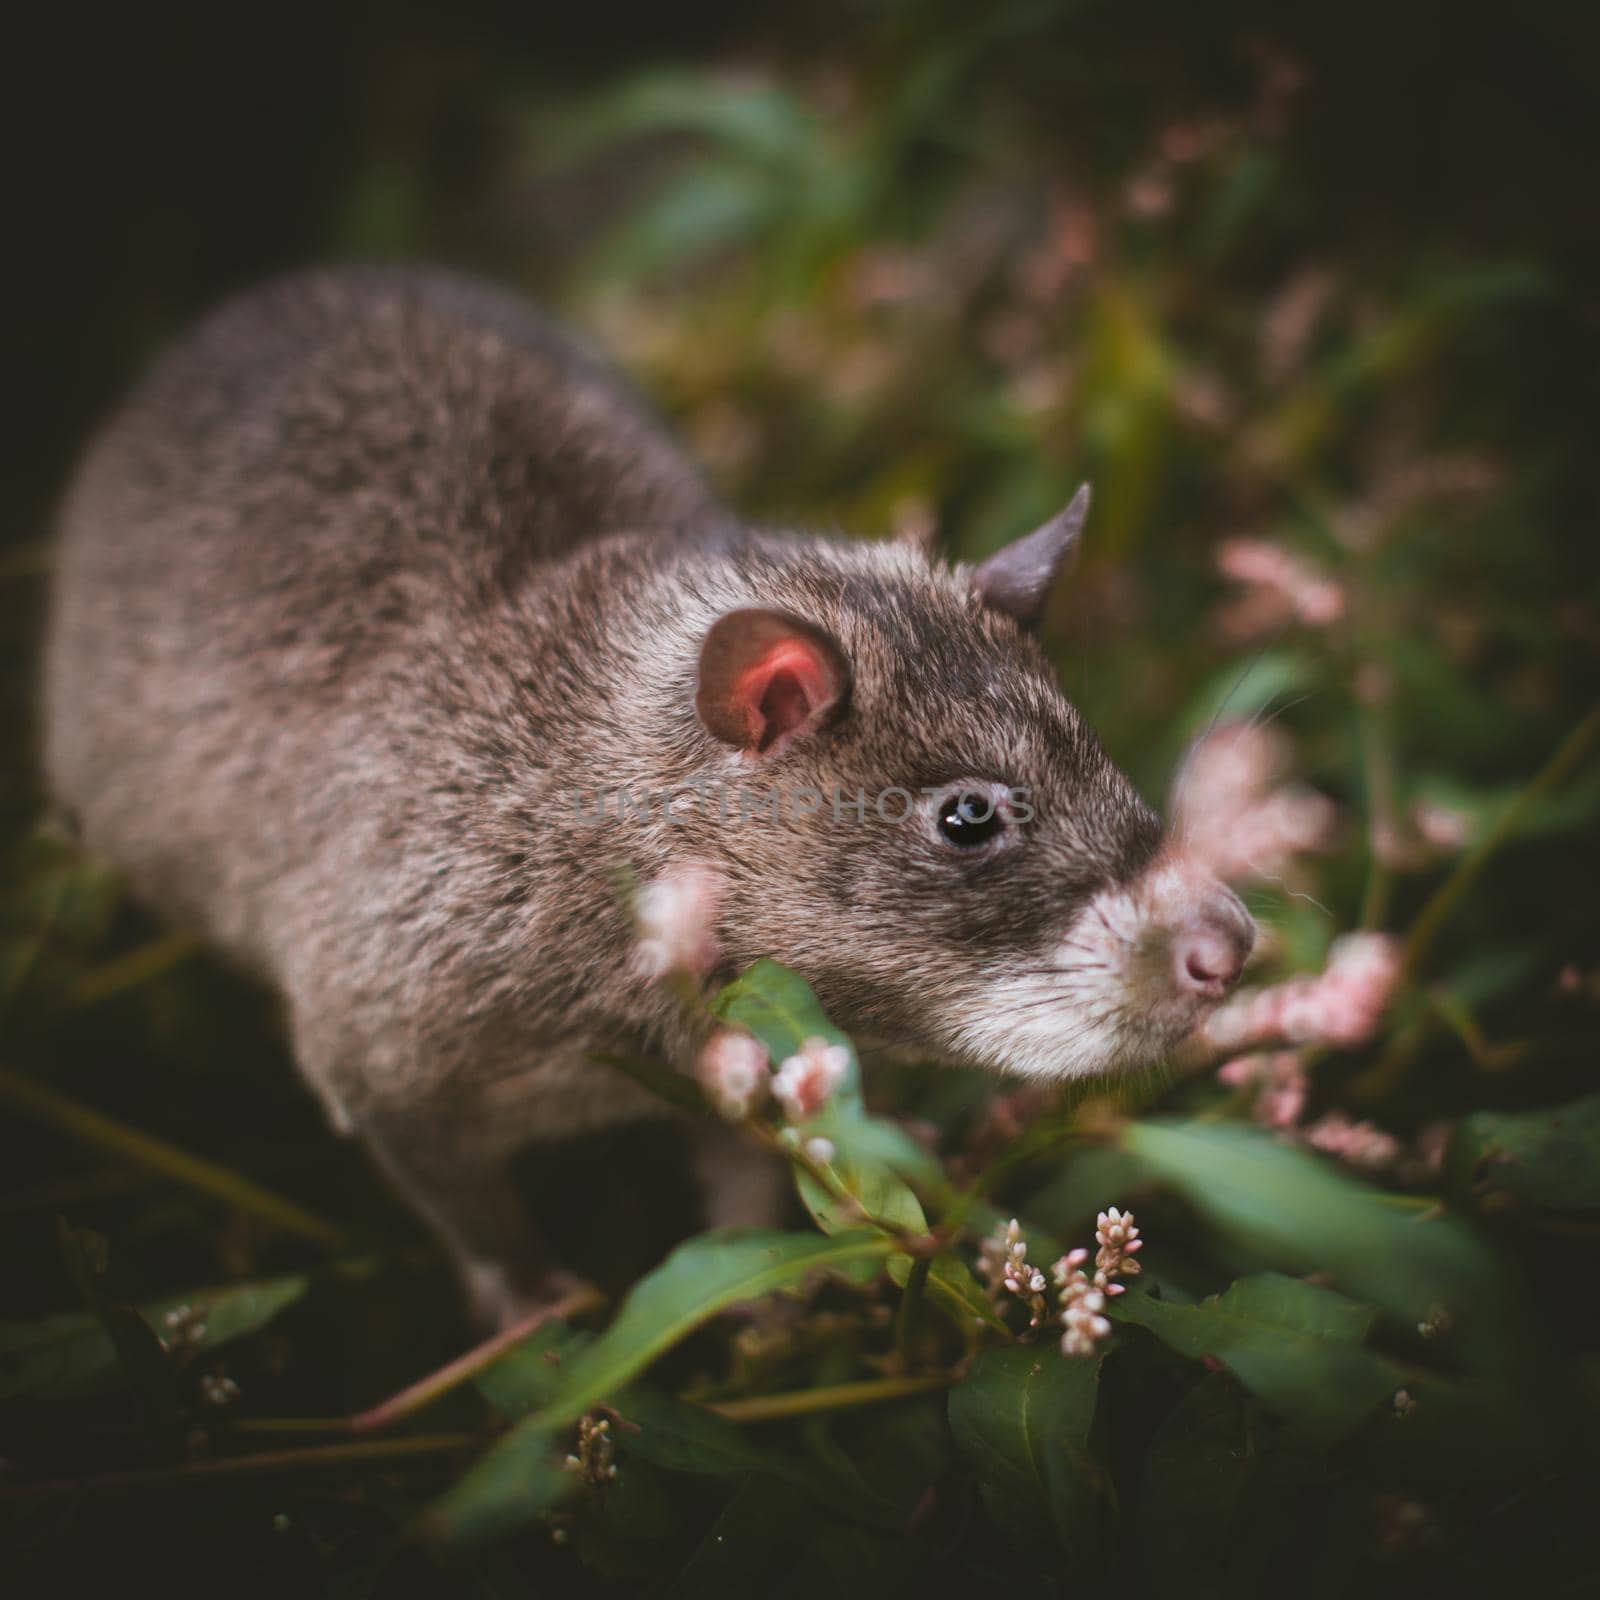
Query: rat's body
[376, 572]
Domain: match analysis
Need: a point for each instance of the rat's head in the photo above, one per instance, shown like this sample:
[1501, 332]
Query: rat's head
[951, 858]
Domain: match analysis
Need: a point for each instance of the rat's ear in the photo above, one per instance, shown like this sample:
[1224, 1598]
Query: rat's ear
[767, 675]
[1017, 579]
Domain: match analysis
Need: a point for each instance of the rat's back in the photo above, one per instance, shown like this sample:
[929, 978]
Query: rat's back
[324, 477]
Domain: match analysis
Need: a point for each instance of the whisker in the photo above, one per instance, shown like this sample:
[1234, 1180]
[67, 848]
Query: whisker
[1293, 894]
[1262, 719]
[1216, 716]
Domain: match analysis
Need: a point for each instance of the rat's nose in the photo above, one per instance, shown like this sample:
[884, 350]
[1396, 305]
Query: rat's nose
[1209, 952]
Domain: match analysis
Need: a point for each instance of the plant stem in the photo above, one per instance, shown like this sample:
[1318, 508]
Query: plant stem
[134, 968]
[905, 1321]
[416, 1396]
[143, 1149]
[267, 1461]
[1047, 1132]
[1574, 749]
[912, 1238]
[1381, 1080]
[837, 1397]
[1383, 823]
[759, 1408]
[453, 1374]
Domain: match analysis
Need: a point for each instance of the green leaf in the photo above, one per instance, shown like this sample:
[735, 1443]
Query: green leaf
[84, 1256]
[1195, 1473]
[870, 1154]
[67, 1354]
[624, 1531]
[1549, 1160]
[953, 1286]
[1296, 1346]
[712, 205]
[679, 1436]
[73, 1354]
[1286, 1208]
[761, 123]
[528, 1375]
[778, 1007]
[229, 1311]
[1238, 693]
[673, 1087]
[895, 1452]
[152, 1377]
[1022, 1419]
[755, 1546]
[870, 1192]
[684, 1437]
[518, 1480]
[1081, 1184]
[771, 1542]
[699, 1279]
[875, 1141]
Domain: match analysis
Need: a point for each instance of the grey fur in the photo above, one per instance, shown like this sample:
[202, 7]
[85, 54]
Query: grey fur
[374, 570]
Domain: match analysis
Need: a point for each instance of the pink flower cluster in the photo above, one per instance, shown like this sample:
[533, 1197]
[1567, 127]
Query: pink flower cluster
[1234, 815]
[1280, 1088]
[805, 1080]
[733, 1070]
[1279, 587]
[1279, 1080]
[1003, 1264]
[1342, 1005]
[1361, 1144]
[1083, 1297]
[676, 916]
[1441, 827]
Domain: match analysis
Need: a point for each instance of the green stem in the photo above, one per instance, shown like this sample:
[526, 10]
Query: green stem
[1381, 1080]
[837, 1397]
[134, 968]
[905, 1322]
[143, 1149]
[1391, 1069]
[913, 1238]
[1383, 822]
[758, 1408]
[1041, 1137]
[1574, 749]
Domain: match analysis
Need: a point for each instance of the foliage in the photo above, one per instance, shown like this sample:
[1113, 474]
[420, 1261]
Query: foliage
[925, 271]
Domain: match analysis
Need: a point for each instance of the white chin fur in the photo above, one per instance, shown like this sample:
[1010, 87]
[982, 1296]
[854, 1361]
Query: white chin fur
[1098, 1001]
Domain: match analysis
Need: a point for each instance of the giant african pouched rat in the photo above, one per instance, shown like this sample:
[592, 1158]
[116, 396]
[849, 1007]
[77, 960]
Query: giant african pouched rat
[376, 571]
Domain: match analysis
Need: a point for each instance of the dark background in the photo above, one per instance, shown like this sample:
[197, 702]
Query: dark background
[160, 157]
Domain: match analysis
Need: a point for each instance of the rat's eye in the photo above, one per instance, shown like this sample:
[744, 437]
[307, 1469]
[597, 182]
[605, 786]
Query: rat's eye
[970, 818]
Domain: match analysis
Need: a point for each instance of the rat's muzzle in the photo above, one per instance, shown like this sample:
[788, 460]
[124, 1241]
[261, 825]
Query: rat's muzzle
[1185, 938]
[1140, 966]
[1210, 949]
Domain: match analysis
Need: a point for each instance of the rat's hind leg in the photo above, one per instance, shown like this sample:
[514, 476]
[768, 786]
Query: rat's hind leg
[741, 1183]
[452, 1165]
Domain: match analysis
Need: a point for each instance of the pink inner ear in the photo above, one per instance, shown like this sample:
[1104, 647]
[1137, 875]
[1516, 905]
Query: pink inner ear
[781, 691]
